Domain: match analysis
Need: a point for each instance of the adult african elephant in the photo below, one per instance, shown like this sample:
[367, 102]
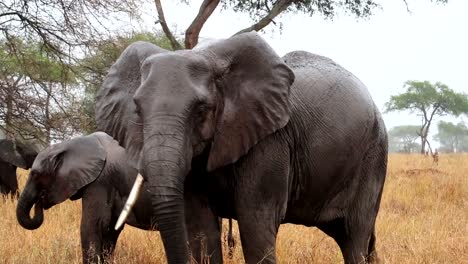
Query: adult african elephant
[238, 132]
[14, 154]
[92, 168]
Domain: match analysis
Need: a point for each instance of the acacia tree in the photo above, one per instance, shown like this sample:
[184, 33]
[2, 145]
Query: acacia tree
[265, 12]
[429, 101]
[38, 98]
[452, 137]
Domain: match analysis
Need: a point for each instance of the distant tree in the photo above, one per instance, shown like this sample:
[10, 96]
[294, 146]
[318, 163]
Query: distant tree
[429, 101]
[452, 138]
[264, 12]
[403, 139]
[94, 66]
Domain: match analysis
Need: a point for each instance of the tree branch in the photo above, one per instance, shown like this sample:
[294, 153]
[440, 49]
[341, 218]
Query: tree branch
[407, 6]
[162, 20]
[429, 145]
[423, 110]
[277, 8]
[193, 31]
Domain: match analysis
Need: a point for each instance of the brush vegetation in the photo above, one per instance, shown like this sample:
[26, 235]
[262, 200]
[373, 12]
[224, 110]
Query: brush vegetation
[423, 219]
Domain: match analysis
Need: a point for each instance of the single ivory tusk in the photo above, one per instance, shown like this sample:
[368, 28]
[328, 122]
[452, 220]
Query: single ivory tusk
[130, 201]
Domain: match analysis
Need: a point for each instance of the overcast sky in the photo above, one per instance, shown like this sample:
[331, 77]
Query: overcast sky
[430, 43]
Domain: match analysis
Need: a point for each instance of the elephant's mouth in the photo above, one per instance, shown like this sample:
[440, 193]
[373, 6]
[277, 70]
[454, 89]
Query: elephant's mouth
[44, 201]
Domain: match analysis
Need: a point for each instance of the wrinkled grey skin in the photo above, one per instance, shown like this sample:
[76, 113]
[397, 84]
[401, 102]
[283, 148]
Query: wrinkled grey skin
[237, 132]
[92, 168]
[14, 154]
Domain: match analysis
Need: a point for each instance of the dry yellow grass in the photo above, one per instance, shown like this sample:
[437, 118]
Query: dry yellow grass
[423, 219]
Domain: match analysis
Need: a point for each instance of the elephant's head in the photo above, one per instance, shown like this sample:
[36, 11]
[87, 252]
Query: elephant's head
[17, 153]
[167, 107]
[58, 173]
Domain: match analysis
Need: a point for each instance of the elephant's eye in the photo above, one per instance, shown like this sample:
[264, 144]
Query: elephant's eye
[203, 110]
[34, 174]
[137, 109]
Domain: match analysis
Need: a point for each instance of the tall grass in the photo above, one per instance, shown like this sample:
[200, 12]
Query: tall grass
[423, 219]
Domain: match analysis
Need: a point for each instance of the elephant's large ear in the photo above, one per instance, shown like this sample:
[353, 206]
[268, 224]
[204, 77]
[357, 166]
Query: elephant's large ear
[10, 154]
[115, 110]
[75, 164]
[28, 151]
[254, 83]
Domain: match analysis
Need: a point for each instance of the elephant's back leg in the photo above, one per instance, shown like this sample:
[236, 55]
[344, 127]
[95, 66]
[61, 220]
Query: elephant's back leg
[354, 229]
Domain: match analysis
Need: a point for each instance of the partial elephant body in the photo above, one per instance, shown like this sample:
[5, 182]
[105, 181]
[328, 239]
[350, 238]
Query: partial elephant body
[233, 130]
[325, 168]
[335, 124]
[14, 154]
[8, 180]
[93, 168]
[102, 202]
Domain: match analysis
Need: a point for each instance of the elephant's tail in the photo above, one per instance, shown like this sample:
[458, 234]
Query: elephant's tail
[230, 240]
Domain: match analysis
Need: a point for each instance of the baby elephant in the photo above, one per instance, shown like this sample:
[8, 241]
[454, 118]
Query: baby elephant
[93, 168]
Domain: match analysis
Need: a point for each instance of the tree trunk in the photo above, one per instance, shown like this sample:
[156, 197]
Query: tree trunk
[429, 146]
[423, 144]
[9, 111]
[12, 86]
[47, 122]
[8, 117]
[162, 20]
[193, 31]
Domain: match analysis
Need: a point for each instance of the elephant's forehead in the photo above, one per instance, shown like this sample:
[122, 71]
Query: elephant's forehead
[176, 60]
[174, 74]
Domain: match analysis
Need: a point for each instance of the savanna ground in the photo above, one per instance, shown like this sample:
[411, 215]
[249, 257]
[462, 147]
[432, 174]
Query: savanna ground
[423, 219]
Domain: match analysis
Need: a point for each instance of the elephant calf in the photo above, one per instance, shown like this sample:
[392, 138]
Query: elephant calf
[94, 169]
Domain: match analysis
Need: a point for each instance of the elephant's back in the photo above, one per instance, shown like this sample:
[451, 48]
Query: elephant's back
[328, 98]
[303, 59]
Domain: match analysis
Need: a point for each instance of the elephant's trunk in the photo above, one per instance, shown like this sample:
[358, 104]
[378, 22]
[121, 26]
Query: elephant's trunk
[28, 198]
[166, 162]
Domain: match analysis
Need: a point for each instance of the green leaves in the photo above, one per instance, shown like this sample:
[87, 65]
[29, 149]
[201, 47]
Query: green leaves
[428, 99]
[31, 59]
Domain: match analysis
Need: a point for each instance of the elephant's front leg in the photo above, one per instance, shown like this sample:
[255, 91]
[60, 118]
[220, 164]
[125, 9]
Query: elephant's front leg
[204, 230]
[261, 199]
[91, 241]
[98, 237]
